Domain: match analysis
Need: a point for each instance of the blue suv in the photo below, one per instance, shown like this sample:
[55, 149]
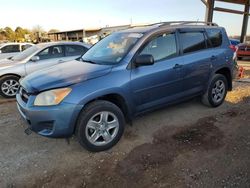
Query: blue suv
[127, 73]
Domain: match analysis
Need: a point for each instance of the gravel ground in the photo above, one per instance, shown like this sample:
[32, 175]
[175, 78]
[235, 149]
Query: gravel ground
[186, 145]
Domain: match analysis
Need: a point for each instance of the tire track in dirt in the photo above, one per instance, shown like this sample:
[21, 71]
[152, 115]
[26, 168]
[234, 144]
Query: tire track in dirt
[145, 160]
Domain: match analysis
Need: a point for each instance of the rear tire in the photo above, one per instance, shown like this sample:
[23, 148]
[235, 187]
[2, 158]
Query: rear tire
[9, 86]
[216, 92]
[100, 126]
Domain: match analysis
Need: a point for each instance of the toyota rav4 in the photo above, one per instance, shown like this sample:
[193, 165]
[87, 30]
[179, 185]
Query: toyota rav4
[128, 73]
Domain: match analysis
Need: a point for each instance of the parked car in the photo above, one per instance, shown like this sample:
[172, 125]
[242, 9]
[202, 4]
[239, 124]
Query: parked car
[243, 50]
[37, 57]
[234, 47]
[234, 42]
[125, 74]
[8, 50]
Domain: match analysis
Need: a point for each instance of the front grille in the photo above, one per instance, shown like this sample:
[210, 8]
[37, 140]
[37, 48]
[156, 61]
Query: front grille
[24, 95]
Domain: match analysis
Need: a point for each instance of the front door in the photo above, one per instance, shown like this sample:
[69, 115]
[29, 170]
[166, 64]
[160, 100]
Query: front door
[161, 82]
[48, 57]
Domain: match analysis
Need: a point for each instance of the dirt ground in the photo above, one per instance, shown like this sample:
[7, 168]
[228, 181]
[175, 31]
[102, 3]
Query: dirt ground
[186, 145]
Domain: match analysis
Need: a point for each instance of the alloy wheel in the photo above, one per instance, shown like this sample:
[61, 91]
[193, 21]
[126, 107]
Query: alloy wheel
[10, 87]
[102, 128]
[218, 91]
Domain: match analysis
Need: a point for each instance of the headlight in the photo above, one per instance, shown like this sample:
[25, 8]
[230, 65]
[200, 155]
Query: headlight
[51, 97]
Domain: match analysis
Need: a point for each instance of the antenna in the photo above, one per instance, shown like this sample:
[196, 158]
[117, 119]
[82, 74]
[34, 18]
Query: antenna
[197, 21]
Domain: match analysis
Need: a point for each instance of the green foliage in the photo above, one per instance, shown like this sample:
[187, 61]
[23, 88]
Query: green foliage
[37, 34]
[18, 35]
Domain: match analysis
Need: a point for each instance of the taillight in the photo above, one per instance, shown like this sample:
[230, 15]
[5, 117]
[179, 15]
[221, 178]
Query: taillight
[234, 48]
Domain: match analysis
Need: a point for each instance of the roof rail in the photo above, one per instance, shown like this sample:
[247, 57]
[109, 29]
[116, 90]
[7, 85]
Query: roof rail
[183, 23]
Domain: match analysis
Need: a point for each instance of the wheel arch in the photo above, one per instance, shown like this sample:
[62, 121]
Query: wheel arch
[10, 74]
[227, 73]
[116, 99]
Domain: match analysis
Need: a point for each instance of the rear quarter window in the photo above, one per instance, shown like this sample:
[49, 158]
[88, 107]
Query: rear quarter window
[26, 46]
[215, 36]
[74, 50]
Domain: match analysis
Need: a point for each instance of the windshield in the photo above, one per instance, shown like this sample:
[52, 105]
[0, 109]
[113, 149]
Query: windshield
[24, 54]
[112, 49]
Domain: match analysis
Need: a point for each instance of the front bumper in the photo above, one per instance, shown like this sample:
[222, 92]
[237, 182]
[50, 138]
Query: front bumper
[50, 121]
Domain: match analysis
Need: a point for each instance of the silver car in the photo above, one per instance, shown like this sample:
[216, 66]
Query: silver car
[35, 58]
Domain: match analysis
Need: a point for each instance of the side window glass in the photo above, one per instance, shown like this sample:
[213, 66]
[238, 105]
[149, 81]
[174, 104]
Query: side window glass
[51, 52]
[10, 49]
[74, 50]
[44, 54]
[56, 51]
[215, 37]
[192, 41]
[26, 46]
[162, 47]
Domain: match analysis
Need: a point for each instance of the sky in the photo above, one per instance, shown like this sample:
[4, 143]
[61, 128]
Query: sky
[77, 14]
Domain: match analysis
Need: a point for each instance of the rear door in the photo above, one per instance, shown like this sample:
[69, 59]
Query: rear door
[197, 59]
[48, 57]
[220, 44]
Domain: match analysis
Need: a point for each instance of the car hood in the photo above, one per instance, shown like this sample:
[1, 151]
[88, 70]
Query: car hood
[63, 75]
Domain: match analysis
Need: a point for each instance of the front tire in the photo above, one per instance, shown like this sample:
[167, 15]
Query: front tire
[100, 126]
[9, 86]
[216, 92]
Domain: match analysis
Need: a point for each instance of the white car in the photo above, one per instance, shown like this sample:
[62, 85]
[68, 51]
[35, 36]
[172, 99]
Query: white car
[8, 50]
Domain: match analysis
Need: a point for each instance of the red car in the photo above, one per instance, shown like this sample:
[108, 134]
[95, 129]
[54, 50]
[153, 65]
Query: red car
[243, 51]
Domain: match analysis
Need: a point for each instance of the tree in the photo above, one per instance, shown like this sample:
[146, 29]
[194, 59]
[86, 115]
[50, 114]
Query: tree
[10, 34]
[2, 34]
[37, 33]
[53, 31]
[20, 34]
[38, 29]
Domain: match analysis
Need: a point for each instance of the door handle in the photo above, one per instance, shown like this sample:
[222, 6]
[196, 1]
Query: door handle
[60, 61]
[177, 66]
[213, 58]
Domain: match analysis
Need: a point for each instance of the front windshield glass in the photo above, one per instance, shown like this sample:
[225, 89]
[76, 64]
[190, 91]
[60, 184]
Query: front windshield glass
[24, 54]
[112, 49]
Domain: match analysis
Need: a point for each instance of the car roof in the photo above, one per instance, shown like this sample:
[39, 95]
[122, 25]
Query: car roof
[48, 44]
[13, 43]
[169, 26]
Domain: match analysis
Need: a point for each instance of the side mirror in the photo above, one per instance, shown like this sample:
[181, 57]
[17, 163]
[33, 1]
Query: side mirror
[144, 60]
[35, 58]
